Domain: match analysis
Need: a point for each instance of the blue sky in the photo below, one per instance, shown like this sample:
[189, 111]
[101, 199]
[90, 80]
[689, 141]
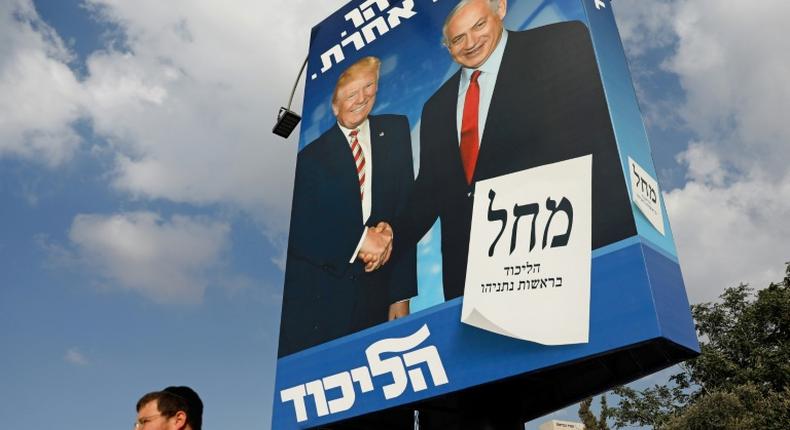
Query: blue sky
[144, 201]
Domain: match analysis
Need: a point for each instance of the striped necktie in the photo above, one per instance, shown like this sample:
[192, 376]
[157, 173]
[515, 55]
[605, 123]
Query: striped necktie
[359, 159]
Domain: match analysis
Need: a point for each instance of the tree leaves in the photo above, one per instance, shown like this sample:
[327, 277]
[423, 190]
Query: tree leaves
[741, 379]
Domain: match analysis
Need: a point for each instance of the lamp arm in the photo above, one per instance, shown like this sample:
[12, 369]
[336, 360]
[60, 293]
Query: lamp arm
[299, 76]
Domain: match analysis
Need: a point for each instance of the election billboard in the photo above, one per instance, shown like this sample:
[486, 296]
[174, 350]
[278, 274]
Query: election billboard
[476, 213]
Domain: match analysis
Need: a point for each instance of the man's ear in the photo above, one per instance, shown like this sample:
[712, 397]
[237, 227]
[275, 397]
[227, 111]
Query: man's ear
[334, 109]
[502, 9]
[180, 420]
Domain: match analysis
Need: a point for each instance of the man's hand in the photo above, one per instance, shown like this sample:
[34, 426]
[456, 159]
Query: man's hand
[398, 310]
[377, 247]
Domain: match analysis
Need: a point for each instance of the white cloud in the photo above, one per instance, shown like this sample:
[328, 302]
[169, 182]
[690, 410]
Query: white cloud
[729, 219]
[729, 233]
[389, 65]
[190, 104]
[167, 261]
[704, 164]
[75, 357]
[425, 245]
[186, 105]
[644, 25]
[41, 97]
[646, 28]
[733, 63]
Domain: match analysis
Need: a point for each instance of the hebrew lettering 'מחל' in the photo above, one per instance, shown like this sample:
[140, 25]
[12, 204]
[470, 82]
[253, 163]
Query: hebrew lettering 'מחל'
[645, 187]
[533, 209]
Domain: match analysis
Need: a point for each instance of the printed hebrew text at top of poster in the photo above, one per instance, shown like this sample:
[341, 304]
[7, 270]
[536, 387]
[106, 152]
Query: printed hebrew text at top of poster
[528, 275]
[646, 195]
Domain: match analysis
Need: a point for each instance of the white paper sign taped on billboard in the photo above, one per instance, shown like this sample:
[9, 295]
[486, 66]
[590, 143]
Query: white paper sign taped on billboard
[528, 275]
[646, 195]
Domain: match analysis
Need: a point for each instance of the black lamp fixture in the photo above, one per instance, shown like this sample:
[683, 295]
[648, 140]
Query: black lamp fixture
[287, 120]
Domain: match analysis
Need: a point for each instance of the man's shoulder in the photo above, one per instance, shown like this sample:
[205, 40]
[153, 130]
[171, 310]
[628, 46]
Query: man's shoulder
[389, 127]
[322, 144]
[446, 94]
[549, 33]
[388, 119]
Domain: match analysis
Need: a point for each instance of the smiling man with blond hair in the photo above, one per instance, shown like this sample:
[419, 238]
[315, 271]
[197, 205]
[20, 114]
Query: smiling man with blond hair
[356, 174]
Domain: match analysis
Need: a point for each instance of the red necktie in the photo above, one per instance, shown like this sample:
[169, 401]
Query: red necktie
[359, 159]
[470, 139]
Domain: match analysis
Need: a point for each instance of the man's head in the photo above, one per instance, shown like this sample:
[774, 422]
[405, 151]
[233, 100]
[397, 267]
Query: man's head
[472, 30]
[174, 408]
[355, 92]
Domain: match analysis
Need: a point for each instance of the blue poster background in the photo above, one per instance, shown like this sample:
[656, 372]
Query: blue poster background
[414, 65]
[637, 288]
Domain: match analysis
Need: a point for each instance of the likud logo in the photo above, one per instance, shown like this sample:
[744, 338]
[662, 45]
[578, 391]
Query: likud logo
[402, 365]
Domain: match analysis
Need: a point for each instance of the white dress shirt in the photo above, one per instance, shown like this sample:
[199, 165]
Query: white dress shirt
[487, 81]
[367, 199]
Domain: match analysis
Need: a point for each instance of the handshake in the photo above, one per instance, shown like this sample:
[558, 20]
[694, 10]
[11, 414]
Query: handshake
[377, 247]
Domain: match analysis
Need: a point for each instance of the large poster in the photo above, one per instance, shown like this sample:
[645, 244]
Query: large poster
[464, 185]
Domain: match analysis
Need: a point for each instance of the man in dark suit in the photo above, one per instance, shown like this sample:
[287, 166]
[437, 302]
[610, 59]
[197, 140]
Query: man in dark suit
[537, 99]
[337, 195]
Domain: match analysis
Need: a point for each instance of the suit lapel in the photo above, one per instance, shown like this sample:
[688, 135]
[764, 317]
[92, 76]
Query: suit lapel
[345, 171]
[379, 148]
[447, 105]
[493, 146]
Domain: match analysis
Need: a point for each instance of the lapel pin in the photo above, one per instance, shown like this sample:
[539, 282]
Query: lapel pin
[381, 134]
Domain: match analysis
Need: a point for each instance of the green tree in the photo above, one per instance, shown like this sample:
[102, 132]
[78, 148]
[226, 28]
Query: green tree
[590, 421]
[741, 379]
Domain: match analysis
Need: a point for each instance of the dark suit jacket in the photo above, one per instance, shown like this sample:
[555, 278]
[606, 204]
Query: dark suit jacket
[548, 105]
[325, 296]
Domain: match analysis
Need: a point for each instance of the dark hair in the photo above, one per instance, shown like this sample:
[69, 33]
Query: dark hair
[173, 399]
